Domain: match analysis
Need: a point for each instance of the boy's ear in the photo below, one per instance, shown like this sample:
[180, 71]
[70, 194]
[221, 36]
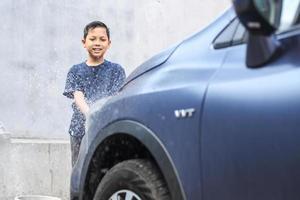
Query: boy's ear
[83, 42]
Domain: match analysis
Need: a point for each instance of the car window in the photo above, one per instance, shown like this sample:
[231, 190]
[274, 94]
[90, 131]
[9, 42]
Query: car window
[290, 15]
[240, 35]
[233, 34]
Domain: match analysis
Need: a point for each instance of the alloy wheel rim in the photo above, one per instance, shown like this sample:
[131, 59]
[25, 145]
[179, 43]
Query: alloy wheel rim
[124, 195]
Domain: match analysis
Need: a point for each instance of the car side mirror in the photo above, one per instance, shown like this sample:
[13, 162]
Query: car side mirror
[261, 18]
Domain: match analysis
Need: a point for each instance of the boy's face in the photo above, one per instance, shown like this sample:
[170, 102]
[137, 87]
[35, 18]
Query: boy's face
[96, 43]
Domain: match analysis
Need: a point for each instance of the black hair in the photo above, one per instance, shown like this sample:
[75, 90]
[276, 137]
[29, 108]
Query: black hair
[93, 25]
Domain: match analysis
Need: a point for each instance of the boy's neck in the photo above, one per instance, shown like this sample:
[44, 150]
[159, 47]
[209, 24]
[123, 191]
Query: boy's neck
[94, 62]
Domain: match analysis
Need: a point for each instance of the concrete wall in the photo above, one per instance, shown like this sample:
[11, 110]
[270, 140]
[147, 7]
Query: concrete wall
[34, 167]
[40, 40]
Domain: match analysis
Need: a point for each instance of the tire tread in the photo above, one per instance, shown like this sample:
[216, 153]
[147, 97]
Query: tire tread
[147, 178]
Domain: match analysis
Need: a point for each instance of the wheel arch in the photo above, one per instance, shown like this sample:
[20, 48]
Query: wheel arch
[112, 145]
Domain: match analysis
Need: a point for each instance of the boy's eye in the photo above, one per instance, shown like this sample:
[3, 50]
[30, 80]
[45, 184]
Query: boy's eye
[92, 39]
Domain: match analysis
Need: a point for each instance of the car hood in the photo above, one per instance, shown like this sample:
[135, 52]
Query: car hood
[152, 63]
[162, 57]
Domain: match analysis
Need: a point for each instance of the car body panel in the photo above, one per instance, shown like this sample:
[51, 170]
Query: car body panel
[250, 135]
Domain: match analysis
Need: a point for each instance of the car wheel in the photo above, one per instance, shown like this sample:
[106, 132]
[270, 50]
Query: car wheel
[132, 180]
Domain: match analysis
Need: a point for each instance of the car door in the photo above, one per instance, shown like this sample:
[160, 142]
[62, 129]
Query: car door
[250, 133]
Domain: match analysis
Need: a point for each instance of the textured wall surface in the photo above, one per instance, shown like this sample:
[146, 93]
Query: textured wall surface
[40, 40]
[34, 167]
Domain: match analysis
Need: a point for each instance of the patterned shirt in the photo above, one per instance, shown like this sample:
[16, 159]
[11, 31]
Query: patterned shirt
[95, 82]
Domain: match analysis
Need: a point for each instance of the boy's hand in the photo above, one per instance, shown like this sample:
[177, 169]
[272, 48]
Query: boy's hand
[80, 102]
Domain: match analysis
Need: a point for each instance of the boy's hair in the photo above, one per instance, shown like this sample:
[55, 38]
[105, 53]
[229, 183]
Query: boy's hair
[93, 25]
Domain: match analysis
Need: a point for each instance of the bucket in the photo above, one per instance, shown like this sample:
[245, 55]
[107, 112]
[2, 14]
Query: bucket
[35, 197]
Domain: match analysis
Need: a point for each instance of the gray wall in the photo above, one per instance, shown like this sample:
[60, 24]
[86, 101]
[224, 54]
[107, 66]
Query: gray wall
[40, 40]
[34, 167]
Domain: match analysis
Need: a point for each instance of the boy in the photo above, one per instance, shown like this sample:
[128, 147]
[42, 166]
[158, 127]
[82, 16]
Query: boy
[91, 80]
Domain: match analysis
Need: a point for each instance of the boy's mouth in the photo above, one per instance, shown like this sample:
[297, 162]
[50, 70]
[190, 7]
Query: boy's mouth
[97, 49]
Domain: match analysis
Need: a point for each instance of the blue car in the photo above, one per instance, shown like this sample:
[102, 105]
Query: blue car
[216, 116]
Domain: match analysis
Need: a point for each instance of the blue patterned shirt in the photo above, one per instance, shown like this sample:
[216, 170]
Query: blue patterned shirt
[95, 82]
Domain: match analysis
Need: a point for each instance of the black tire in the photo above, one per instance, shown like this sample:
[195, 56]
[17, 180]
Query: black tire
[138, 176]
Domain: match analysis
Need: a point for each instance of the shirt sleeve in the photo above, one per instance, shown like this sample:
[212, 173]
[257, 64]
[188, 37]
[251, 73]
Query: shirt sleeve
[118, 80]
[73, 83]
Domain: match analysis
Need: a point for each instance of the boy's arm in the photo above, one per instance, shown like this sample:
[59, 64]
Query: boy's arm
[80, 102]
